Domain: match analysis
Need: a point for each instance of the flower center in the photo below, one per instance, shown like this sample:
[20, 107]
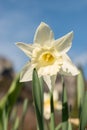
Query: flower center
[47, 103]
[48, 58]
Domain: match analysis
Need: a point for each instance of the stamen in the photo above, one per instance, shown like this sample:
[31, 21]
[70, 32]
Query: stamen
[48, 57]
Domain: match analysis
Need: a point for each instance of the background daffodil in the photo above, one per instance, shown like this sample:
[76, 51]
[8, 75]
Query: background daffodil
[47, 55]
[57, 103]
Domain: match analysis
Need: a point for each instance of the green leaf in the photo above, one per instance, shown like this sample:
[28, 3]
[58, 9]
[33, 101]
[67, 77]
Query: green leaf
[52, 122]
[83, 117]
[14, 92]
[24, 110]
[7, 102]
[80, 89]
[65, 114]
[25, 106]
[69, 126]
[9, 99]
[59, 126]
[38, 98]
[80, 86]
[16, 124]
[4, 119]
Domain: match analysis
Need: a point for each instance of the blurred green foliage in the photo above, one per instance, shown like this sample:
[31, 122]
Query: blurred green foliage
[79, 111]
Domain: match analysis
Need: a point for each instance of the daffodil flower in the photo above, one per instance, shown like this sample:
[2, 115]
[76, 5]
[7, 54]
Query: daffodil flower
[57, 103]
[74, 121]
[47, 55]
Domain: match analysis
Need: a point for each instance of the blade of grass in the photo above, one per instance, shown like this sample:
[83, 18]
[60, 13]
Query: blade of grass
[65, 114]
[16, 124]
[38, 99]
[83, 116]
[59, 126]
[52, 123]
[4, 119]
[25, 107]
[10, 98]
[80, 89]
[69, 126]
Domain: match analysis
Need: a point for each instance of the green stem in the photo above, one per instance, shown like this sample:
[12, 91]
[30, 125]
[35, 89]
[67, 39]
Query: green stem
[5, 120]
[52, 125]
[46, 124]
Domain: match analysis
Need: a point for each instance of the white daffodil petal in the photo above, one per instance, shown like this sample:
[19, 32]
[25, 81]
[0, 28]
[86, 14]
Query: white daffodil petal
[26, 48]
[74, 121]
[47, 112]
[43, 34]
[49, 70]
[48, 56]
[50, 81]
[68, 68]
[59, 105]
[55, 94]
[46, 96]
[63, 44]
[26, 73]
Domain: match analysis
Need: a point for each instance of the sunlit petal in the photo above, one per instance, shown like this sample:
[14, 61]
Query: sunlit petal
[43, 34]
[55, 94]
[64, 43]
[26, 73]
[50, 81]
[49, 69]
[74, 121]
[48, 56]
[26, 48]
[68, 68]
[57, 103]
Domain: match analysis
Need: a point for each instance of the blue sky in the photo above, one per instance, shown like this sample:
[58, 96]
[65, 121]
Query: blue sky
[20, 18]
